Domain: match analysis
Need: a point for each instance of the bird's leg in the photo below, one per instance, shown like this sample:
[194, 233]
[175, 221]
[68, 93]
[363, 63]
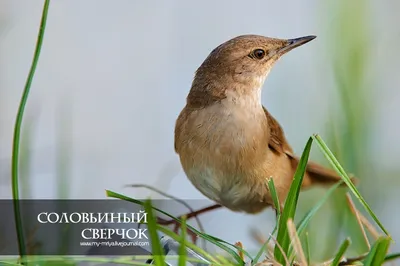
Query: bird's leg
[188, 216]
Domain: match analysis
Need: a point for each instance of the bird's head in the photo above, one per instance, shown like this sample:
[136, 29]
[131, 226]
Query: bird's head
[244, 62]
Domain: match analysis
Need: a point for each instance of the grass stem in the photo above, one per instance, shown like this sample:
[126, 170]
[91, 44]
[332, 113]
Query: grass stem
[17, 132]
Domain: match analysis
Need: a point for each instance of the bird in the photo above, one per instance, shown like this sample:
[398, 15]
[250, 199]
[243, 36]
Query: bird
[227, 141]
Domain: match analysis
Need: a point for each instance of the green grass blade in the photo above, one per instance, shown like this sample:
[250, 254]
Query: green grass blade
[307, 248]
[274, 195]
[78, 260]
[334, 162]
[156, 248]
[17, 131]
[302, 225]
[238, 249]
[307, 218]
[209, 238]
[392, 257]
[195, 248]
[224, 261]
[342, 249]
[378, 252]
[264, 247]
[289, 210]
[182, 247]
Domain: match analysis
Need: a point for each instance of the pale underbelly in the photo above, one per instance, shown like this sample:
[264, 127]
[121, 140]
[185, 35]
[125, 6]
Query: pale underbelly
[237, 193]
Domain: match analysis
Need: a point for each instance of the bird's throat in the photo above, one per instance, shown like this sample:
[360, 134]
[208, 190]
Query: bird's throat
[247, 99]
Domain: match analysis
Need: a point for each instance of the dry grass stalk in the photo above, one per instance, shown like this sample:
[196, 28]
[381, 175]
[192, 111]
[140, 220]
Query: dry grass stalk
[281, 249]
[357, 215]
[295, 242]
[240, 253]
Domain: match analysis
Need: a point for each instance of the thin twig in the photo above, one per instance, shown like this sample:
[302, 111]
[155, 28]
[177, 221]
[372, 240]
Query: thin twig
[345, 261]
[171, 197]
[350, 261]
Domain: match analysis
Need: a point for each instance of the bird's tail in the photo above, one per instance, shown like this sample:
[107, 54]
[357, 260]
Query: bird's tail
[317, 174]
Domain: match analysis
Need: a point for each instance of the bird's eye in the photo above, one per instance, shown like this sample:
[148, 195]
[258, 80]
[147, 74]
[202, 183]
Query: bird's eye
[258, 53]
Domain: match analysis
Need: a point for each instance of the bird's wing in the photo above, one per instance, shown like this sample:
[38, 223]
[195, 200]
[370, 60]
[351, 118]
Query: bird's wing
[277, 142]
[317, 174]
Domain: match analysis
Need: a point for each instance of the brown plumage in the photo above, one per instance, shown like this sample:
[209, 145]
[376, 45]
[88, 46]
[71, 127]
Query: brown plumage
[227, 141]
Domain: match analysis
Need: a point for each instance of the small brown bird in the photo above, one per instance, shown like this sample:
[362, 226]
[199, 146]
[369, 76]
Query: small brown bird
[227, 141]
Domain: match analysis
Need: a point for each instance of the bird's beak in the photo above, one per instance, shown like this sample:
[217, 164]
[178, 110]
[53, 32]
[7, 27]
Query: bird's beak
[293, 43]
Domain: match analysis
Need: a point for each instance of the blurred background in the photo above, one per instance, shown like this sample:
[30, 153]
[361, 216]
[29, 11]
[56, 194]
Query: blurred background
[113, 76]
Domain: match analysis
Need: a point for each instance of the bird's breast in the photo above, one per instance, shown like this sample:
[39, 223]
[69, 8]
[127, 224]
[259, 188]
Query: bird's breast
[223, 153]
